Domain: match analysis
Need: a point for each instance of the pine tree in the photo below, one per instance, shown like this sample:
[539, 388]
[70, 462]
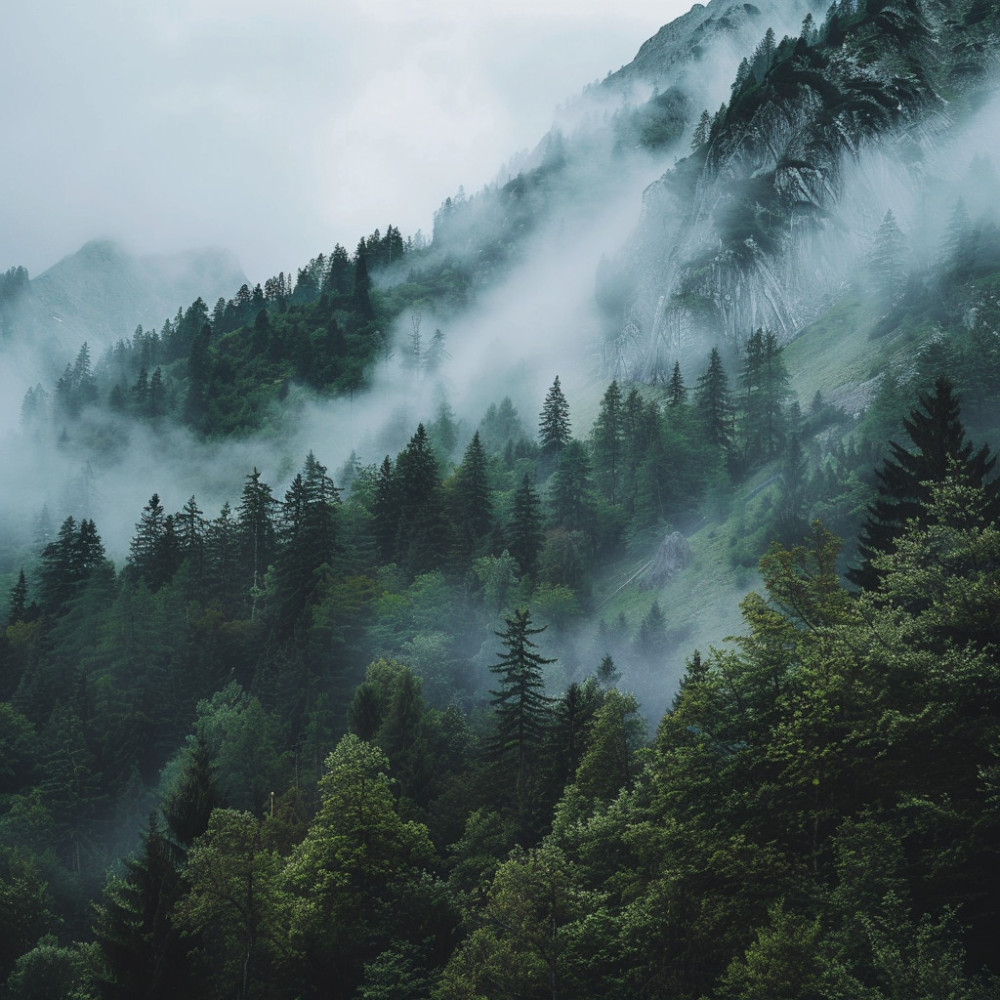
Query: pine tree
[255, 530]
[676, 390]
[67, 562]
[191, 528]
[651, 641]
[362, 285]
[340, 278]
[765, 384]
[194, 794]
[524, 533]
[308, 533]
[472, 514]
[140, 952]
[700, 137]
[18, 600]
[418, 494]
[553, 422]
[522, 713]
[713, 402]
[385, 512]
[571, 501]
[608, 445]
[935, 429]
[887, 261]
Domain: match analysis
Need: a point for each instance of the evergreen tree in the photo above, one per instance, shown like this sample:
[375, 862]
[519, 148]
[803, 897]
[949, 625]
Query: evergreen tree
[553, 422]
[255, 530]
[418, 493]
[571, 501]
[154, 552]
[308, 532]
[765, 390]
[935, 430]
[676, 390]
[521, 710]
[472, 514]
[713, 403]
[887, 261]
[191, 527]
[340, 279]
[18, 600]
[194, 794]
[651, 640]
[362, 285]
[524, 533]
[141, 953]
[67, 562]
[608, 444]
[385, 512]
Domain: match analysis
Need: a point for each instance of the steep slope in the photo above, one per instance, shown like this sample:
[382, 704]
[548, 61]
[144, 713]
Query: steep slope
[778, 206]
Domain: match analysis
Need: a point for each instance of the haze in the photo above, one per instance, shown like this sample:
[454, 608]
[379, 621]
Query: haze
[277, 130]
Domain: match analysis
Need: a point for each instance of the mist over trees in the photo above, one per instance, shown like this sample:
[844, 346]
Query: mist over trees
[455, 717]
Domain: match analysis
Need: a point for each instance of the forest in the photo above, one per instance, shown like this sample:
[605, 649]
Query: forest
[434, 722]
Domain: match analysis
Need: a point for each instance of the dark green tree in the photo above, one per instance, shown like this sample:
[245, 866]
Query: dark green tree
[420, 530]
[676, 390]
[255, 531]
[713, 403]
[553, 422]
[140, 952]
[608, 445]
[361, 299]
[471, 506]
[522, 712]
[765, 384]
[571, 502]
[524, 533]
[939, 444]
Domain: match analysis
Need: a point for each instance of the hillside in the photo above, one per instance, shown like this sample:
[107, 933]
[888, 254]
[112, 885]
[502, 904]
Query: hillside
[389, 630]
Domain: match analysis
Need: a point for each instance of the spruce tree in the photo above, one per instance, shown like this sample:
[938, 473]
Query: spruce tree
[255, 530]
[139, 951]
[676, 390]
[472, 514]
[524, 533]
[713, 403]
[887, 261]
[418, 494]
[608, 445]
[522, 712]
[935, 429]
[553, 422]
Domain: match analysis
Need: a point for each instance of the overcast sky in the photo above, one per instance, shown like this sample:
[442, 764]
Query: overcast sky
[276, 129]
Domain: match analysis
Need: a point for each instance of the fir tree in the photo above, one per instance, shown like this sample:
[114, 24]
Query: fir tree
[713, 402]
[521, 711]
[141, 953]
[607, 444]
[524, 533]
[553, 422]
[472, 513]
[935, 429]
[676, 390]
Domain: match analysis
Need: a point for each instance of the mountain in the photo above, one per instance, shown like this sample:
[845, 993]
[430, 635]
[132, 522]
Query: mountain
[101, 293]
[460, 718]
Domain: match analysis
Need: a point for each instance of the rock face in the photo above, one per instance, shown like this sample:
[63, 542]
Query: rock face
[672, 557]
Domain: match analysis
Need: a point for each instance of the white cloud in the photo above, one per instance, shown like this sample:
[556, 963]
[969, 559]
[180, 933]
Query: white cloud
[276, 130]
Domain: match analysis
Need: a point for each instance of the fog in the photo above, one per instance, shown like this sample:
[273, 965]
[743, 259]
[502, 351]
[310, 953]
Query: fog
[276, 130]
[370, 116]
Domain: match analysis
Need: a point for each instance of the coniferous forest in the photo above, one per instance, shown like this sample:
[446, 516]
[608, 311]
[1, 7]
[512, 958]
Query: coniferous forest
[453, 718]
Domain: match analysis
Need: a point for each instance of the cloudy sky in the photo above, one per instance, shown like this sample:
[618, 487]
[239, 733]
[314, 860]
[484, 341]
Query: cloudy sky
[277, 129]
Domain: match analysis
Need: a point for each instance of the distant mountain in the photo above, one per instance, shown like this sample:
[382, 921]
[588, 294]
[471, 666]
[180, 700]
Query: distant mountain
[102, 292]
